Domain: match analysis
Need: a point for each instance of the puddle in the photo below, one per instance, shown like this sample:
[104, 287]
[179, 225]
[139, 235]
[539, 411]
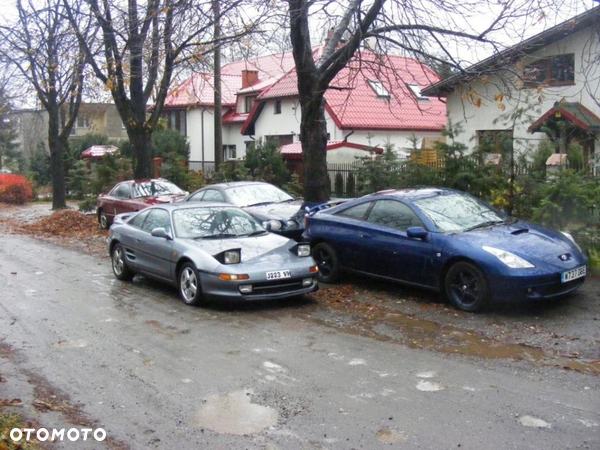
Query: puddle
[430, 386]
[389, 326]
[528, 421]
[235, 414]
[388, 436]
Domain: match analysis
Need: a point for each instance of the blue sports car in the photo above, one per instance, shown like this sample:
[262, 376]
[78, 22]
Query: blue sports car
[448, 241]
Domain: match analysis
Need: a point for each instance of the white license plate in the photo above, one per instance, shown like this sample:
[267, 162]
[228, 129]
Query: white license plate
[277, 274]
[573, 274]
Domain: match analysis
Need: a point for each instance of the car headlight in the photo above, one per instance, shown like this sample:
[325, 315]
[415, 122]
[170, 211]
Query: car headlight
[291, 224]
[569, 236]
[303, 250]
[510, 259]
[272, 225]
[232, 257]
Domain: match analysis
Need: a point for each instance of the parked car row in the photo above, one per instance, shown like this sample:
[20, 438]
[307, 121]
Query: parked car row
[230, 240]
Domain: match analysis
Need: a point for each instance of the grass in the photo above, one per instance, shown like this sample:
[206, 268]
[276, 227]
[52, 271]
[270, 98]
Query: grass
[8, 421]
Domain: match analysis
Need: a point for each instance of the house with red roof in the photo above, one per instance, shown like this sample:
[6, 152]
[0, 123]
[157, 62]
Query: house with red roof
[545, 86]
[372, 102]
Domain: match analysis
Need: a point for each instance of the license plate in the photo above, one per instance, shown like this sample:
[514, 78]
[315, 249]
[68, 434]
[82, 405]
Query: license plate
[278, 274]
[573, 274]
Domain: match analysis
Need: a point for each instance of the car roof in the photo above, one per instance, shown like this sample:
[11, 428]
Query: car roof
[233, 184]
[191, 205]
[413, 194]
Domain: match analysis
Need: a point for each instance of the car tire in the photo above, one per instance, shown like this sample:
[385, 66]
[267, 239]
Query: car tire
[119, 265]
[327, 261]
[466, 287]
[103, 220]
[190, 289]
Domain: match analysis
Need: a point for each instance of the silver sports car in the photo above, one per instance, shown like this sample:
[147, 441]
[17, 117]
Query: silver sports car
[210, 250]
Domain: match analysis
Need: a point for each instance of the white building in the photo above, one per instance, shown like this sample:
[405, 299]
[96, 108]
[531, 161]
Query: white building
[550, 83]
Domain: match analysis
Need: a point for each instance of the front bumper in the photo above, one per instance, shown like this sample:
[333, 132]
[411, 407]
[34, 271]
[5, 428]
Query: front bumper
[509, 289]
[216, 289]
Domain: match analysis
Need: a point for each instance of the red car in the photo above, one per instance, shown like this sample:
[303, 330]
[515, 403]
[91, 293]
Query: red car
[134, 195]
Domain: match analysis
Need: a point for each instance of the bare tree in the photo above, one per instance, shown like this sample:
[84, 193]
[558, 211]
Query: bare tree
[46, 53]
[139, 47]
[431, 30]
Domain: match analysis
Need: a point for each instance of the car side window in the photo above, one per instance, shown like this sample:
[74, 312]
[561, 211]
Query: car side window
[138, 219]
[357, 212]
[157, 218]
[394, 214]
[123, 191]
[197, 197]
[212, 195]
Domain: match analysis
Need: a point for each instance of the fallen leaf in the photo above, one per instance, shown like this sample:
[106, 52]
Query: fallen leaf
[13, 402]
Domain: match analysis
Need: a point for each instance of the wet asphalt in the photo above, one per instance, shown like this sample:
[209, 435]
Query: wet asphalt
[154, 373]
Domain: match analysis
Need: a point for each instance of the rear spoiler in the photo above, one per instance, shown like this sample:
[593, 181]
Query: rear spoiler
[312, 209]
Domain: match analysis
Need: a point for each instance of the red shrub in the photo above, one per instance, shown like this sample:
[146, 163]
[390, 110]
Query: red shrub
[15, 189]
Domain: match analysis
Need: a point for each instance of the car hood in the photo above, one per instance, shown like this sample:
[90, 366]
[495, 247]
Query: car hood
[269, 247]
[278, 211]
[525, 239]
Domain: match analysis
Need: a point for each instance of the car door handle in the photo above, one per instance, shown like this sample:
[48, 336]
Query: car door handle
[365, 236]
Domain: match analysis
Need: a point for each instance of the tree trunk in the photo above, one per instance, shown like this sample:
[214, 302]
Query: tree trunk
[217, 81]
[141, 140]
[57, 166]
[313, 128]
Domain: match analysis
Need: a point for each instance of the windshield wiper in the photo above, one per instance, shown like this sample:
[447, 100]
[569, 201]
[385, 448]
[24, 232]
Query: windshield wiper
[217, 236]
[288, 200]
[489, 223]
[260, 204]
[254, 233]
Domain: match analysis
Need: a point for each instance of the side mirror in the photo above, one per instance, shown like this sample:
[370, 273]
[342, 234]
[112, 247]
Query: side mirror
[417, 233]
[161, 233]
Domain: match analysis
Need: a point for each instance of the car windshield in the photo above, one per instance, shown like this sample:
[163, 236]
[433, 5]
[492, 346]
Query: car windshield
[156, 188]
[456, 212]
[214, 222]
[257, 194]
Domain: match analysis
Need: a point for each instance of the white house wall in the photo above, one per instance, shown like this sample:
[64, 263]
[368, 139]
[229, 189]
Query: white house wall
[531, 102]
[288, 122]
[201, 137]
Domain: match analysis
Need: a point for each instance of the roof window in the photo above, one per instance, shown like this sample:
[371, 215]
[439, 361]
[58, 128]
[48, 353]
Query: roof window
[379, 89]
[416, 90]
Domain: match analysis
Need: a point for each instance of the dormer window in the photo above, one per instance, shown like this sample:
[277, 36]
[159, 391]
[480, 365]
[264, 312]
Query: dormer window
[379, 89]
[416, 91]
[249, 103]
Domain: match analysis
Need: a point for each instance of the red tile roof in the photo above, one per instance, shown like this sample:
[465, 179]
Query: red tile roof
[294, 150]
[268, 67]
[98, 151]
[198, 90]
[353, 103]
[232, 117]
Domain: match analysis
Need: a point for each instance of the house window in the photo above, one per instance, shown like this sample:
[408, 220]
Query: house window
[554, 71]
[379, 89]
[82, 121]
[416, 91]
[229, 152]
[249, 103]
[278, 107]
[495, 141]
[176, 120]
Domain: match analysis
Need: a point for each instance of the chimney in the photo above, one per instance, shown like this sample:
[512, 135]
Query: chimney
[249, 77]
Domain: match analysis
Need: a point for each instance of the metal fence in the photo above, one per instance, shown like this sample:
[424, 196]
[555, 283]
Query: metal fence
[343, 177]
